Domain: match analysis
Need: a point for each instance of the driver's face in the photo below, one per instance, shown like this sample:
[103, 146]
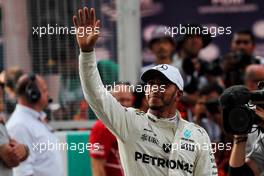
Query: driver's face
[161, 93]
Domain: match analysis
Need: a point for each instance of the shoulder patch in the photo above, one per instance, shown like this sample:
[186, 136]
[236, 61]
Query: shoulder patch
[199, 128]
[195, 127]
[139, 112]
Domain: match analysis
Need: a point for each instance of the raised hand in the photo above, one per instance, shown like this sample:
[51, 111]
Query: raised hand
[87, 29]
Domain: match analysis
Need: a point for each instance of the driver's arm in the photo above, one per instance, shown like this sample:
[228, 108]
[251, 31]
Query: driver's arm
[117, 118]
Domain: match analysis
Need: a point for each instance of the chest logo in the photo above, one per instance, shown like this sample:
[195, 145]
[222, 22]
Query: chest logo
[148, 138]
[187, 134]
[166, 147]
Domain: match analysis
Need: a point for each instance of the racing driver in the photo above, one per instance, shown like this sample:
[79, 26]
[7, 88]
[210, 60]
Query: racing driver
[158, 142]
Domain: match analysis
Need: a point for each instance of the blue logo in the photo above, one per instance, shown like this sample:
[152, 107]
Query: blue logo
[187, 134]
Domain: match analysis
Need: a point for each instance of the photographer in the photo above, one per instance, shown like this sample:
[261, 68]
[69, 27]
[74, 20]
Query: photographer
[253, 74]
[192, 67]
[234, 63]
[243, 113]
[253, 163]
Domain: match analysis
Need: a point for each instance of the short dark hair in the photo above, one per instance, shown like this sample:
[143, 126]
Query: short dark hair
[245, 32]
[156, 40]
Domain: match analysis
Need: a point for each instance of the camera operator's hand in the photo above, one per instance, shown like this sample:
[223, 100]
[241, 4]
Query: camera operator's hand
[86, 21]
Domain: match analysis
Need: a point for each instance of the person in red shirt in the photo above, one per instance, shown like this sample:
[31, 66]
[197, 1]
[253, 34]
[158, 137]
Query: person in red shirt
[105, 160]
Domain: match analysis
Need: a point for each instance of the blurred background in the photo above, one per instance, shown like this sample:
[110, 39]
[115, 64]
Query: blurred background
[55, 56]
[122, 50]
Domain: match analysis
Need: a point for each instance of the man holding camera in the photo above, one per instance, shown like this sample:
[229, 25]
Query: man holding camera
[242, 47]
[253, 163]
[253, 74]
[243, 114]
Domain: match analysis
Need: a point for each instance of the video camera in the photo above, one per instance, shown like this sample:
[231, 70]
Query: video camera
[242, 59]
[236, 103]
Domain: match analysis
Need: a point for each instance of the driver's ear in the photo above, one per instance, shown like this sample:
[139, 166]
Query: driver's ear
[176, 96]
[179, 93]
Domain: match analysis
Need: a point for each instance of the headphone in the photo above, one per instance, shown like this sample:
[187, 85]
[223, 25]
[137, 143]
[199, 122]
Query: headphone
[32, 92]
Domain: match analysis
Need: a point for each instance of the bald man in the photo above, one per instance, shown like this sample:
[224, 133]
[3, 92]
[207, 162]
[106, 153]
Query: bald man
[254, 74]
[26, 126]
[247, 153]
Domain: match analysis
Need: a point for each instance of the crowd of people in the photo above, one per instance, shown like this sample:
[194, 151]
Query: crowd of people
[192, 96]
[204, 83]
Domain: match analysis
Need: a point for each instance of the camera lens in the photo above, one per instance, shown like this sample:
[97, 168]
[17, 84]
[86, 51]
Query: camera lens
[261, 85]
[239, 120]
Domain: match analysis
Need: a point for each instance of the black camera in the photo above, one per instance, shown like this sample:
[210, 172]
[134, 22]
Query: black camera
[236, 103]
[242, 59]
